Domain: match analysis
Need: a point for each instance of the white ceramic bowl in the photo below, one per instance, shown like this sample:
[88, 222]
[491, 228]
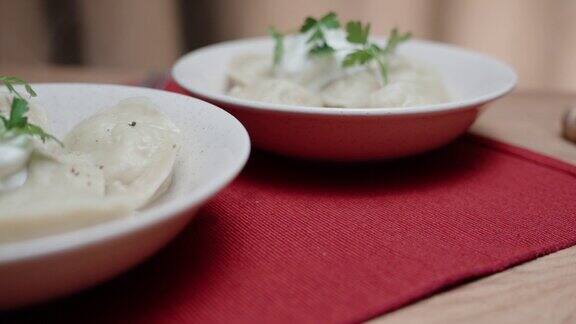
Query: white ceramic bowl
[352, 133]
[214, 149]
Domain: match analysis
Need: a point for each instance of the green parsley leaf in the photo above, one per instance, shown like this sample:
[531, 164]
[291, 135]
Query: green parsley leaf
[330, 21]
[383, 67]
[358, 57]
[35, 130]
[323, 49]
[10, 81]
[356, 34]
[17, 114]
[278, 45]
[394, 40]
[317, 39]
[309, 23]
[375, 48]
[17, 122]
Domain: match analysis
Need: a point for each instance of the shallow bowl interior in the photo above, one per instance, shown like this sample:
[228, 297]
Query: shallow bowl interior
[214, 148]
[471, 78]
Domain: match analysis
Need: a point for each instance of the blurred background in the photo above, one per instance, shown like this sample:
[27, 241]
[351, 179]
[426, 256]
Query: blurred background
[536, 36]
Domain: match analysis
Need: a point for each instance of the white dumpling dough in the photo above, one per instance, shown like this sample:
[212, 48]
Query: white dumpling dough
[410, 84]
[249, 68]
[277, 91]
[352, 91]
[407, 94]
[59, 194]
[133, 144]
[301, 79]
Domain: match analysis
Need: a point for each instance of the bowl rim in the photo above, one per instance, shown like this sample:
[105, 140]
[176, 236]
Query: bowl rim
[331, 111]
[16, 251]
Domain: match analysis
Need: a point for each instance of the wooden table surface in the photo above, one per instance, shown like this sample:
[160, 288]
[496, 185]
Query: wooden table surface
[540, 291]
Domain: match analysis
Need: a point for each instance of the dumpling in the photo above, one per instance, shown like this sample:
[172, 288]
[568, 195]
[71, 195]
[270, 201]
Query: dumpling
[409, 93]
[411, 83]
[133, 144]
[59, 194]
[403, 69]
[249, 68]
[351, 91]
[277, 91]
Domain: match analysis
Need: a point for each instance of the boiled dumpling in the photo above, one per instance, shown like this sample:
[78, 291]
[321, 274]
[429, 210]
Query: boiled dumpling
[277, 91]
[411, 83]
[249, 68]
[60, 193]
[408, 94]
[133, 144]
[351, 91]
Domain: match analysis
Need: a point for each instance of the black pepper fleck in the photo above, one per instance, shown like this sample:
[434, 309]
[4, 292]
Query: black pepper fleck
[132, 124]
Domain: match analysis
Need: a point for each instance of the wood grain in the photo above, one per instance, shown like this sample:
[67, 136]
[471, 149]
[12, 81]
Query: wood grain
[540, 291]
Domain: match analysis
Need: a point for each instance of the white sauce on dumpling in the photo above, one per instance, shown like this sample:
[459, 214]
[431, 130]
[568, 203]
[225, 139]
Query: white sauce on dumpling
[314, 72]
[277, 91]
[15, 150]
[133, 144]
[114, 162]
[60, 193]
[14, 155]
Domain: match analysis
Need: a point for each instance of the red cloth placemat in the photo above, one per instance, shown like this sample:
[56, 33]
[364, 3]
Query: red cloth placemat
[294, 241]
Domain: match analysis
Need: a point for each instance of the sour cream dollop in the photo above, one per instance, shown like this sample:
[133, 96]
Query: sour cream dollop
[14, 156]
[314, 72]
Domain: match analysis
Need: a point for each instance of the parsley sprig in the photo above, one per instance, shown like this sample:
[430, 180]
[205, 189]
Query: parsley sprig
[357, 35]
[278, 44]
[10, 81]
[317, 39]
[17, 122]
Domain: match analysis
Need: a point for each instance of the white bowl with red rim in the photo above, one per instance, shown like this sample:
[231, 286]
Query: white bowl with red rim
[350, 134]
[214, 148]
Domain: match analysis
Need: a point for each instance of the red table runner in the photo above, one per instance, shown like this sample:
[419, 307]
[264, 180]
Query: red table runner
[294, 241]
